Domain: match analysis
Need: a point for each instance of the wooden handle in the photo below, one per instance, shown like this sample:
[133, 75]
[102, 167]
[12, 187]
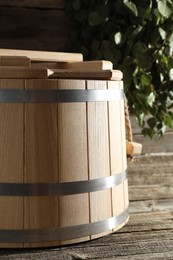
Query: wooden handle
[133, 148]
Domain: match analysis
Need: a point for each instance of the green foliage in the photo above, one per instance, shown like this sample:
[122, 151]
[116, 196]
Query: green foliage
[137, 36]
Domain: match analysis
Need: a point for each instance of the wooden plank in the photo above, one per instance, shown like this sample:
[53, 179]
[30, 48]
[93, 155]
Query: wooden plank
[43, 55]
[59, 4]
[81, 65]
[35, 254]
[156, 145]
[72, 158]
[143, 244]
[151, 170]
[151, 206]
[22, 72]
[150, 176]
[49, 65]
[98, 156]
[47, 30]
[66, 254]
[15, 61]
[117, 150]
[90, 65]
[154, 159]
[81, 74]
[11, 160]
[152, 256]
[152, 221]
[129, 244]
[40, 160]
[149, 192]
[123, 148]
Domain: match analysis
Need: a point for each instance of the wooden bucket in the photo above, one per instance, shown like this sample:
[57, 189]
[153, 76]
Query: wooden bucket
[62, 161]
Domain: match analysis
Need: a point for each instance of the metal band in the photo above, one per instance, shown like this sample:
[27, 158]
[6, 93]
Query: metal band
[62, 233]
[62, 188]
[46, 96]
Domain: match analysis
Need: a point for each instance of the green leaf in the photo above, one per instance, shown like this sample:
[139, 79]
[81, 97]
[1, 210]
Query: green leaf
[151, 99]
[131, 7]
[154, 35]
[80, 16]
[137, 30]
[76, 4]
[171, 74]
[164, 8]
[137, 36]
[152, 122]
[142, 55]
[161, 129]
[118, 38]
[169, 121]
[127, 77]
[148, 131]
[169, 102]
[95, 18]
[162, 33]
[170, 39]
[141, 119]
[146, 80]
[144, 9]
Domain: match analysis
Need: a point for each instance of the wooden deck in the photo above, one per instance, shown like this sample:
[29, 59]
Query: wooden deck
[149, 232]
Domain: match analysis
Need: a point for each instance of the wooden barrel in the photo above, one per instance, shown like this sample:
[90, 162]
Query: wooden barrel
[63, 161]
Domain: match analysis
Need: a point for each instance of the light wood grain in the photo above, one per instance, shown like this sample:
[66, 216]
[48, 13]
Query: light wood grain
[34, 4]
[40, 159]
[11, 160]
[133, 148]
[15, 61]
[148, 235]
[86, 74]
[90, 65]
[72, 158]
[68, 142]
[22, 72]
[98, 156]
[117, 150]
[81, 65]
[43, 55]
[123, 143]
[49, 65]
